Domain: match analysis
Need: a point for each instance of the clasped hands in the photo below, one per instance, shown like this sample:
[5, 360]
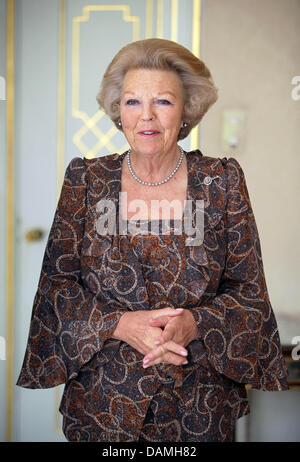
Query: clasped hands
[143, 331]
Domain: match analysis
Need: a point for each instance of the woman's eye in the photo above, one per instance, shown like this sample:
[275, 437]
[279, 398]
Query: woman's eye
[164, 101]
[131, 102]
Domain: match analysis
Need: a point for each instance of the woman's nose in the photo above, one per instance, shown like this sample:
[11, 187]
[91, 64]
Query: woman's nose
[147, 112]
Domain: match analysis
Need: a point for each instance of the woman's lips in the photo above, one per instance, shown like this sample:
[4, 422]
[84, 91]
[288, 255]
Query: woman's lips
[149, 133]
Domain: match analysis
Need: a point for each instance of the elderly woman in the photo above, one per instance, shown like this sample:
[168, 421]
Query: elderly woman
[155, 334]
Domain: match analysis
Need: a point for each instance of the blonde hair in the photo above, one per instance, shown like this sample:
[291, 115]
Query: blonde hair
[199, 91]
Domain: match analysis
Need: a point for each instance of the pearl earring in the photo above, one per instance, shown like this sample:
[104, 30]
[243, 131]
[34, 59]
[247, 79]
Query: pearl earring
[120, 123]
[184, 124]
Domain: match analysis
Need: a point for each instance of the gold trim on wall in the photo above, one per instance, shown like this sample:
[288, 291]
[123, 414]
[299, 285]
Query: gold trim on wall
[196, 52]
[196, 27]
[149, 19]
[159, 19]
[174, 20]
[10, 75]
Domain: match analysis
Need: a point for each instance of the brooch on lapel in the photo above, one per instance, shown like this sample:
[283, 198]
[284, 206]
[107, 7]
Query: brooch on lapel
[208, 180]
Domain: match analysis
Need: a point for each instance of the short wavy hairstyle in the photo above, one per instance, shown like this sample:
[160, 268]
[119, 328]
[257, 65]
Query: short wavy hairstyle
[199, 90]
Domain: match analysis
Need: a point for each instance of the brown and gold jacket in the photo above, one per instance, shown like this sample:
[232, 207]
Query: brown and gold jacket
[87, 283]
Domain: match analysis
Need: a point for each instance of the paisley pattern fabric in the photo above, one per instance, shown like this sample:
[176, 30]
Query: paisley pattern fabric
[88, 280]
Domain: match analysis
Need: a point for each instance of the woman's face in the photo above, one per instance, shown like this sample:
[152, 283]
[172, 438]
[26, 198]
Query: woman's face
[151, 111]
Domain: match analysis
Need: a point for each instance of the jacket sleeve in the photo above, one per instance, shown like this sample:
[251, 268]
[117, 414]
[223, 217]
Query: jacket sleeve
[238, 326]
[69, 323]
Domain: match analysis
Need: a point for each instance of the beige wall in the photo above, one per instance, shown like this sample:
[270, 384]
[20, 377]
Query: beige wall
[252, 48]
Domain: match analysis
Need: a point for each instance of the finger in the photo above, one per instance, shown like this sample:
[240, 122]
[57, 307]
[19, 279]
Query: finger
[174, 347]
[167, 312]
[167, 358]
[176, 312]
[161, 321]
[167, 335]
[159, 340]
[169, 331]
[159, 352]
[172, 358]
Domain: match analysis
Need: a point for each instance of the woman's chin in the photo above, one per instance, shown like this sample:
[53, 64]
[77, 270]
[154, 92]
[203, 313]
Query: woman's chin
[150, 147]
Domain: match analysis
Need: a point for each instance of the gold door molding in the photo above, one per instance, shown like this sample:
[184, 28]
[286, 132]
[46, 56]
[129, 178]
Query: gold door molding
[91, 123]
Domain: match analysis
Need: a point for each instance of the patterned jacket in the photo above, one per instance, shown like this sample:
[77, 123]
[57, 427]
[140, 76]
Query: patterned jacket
[86, 285]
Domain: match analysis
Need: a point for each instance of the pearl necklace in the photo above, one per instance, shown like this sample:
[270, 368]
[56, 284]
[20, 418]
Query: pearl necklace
[159, 182]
